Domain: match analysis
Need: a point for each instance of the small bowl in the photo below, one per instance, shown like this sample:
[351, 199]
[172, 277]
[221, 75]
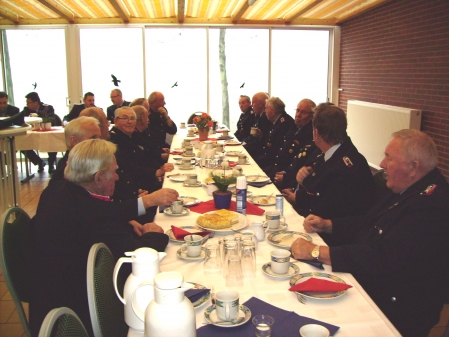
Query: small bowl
[313, 330]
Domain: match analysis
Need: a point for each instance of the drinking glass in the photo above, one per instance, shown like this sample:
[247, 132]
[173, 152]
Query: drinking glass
[230, 249]
[234, 277]
[248, 260]
[212, 262]
[263, 324]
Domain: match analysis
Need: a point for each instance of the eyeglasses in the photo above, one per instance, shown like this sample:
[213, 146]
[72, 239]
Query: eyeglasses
[126, 118]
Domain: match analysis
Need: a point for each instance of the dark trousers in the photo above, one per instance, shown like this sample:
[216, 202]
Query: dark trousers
[36, 160]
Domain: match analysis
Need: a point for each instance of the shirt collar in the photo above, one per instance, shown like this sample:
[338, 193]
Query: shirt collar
[331, 151]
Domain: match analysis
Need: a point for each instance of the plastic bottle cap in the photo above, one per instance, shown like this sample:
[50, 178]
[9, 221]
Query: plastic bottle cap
[241, 183]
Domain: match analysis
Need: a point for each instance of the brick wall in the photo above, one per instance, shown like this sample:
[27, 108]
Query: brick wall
[398, 54]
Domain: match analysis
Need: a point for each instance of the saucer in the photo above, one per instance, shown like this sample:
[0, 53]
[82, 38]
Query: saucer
[188, 201]
[282, 226]
[187, 168]
[292, 271]
[184, 256]
[168, 211]
[233, 153]
[179, 178]
[198, 184]
[188, 155]
[192, 229]
[211, 316]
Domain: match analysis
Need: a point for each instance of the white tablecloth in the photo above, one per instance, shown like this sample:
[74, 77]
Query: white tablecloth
[45, 141]
[354, 312]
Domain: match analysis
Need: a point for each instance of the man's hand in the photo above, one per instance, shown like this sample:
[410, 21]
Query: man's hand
[168, 167]
[302, 249]
[141, 193]
[303, 173]
[137, 227]
[162, 197]
[289, 195]
[279, 177]
[151, 227]
[315, 224]
[163, 112]
[166, 149]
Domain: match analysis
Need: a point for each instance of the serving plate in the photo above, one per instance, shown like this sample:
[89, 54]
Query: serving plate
[234, 228]
[290, 236]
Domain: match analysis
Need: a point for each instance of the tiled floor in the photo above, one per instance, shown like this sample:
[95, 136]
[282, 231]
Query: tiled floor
[29, 195]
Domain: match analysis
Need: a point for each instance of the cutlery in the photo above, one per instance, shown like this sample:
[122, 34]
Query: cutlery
[212, 295]
[234, 321]
[301, 298]
[257, 177]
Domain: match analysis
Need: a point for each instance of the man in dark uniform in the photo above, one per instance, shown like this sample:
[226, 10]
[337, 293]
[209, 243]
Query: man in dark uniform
[89, 102]
[281, 122]
[339, 181]
[398, 250]
[246, 118]
[160, 121]
[34, 105]
[7, 110]
[297, 138]
[117, 102]
[252, 143]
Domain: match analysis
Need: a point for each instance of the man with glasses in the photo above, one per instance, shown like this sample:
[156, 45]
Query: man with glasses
[7, 110]
[246, 118]
[89, 102]
[160, 121]
[35, 106]
[117, 102]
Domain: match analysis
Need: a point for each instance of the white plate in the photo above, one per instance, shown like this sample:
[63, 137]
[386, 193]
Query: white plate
[187, 168]
[168, 211]
[248, 193]
[184, 256]
[325, 276]
[233, 153]
[188, 155]
[254, 178]
[234, 228]
[211, 316]
[203, 299]
[292, 271]
[188, 201]
[178, 177]
[232, 143]
[282, 227]
[191, 229]
[258, 200]
[278, 235]
[178, 161]
[198, 184]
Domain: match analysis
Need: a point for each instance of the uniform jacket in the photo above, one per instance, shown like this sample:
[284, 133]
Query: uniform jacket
[147, 143]
[399, 253]
[75, 112]
[68, 222]
[111, 110]
[10, 112]
[158, 128]
[341, 186]
[44, 110]
[244, 124]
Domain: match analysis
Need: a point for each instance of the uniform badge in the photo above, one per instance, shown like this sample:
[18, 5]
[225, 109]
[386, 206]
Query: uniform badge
[290, 151]
[304, 153]
[429, 190]
[282, 119]
[268, 144]
[347, 161]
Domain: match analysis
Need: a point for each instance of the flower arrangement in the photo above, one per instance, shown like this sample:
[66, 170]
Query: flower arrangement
[203, 122]
[222, 179]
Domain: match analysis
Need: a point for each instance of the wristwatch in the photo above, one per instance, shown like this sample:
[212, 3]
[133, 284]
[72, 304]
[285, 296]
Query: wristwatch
[315, 252]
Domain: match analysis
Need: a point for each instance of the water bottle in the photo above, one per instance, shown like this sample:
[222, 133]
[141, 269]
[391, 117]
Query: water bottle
[280, 204]
[241, 189]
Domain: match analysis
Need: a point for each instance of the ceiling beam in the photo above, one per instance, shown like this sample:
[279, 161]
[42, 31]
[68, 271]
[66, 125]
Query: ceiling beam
[239, 14]
[120, 11]
[56, 10]
[181, 10]
[359, 10]
[9, 18]
[304, 10]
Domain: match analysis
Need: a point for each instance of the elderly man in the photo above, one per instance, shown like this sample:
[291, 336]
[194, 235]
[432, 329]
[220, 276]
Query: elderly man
[339, 181]
[75, 132]
[99, 115]
[137, 170]
[272, 140]
[246, 118]
[34, 105]
[160, 121]
[89, 102]
[72, 215]
[260, 121]
[297, 138]
[398, 250]
[117, 102]
[7, 110]
[140, 101]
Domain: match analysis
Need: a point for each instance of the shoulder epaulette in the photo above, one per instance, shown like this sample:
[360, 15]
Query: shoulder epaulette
[347, 161]
[429, 190]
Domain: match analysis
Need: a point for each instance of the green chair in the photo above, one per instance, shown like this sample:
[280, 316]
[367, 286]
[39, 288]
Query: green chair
[106, 310]
[15, 258]
[62, 322]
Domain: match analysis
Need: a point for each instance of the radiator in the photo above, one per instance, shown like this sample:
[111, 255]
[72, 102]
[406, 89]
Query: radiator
[370, 126]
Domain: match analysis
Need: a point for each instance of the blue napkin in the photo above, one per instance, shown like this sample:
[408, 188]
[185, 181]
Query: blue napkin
[195, 294]
[286, 323]
[258, 184]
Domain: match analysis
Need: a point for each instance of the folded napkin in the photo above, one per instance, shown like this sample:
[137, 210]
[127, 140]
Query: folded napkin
[286, 323]
[195, 294]
[179, 233]
[319, 285]
[316, 264]
[258, 184]
[175, 152]
[208, 206]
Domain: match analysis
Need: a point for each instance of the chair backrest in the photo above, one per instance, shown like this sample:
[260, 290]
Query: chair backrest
[15, 258]
[106, 310]
[62, 322]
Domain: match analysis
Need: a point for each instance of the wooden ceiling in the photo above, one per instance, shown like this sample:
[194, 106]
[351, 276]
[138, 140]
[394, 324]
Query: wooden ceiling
[192, 12]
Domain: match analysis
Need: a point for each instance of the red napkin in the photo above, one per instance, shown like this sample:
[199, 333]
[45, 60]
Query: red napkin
[208, 206]
[176, 152]
[319, 285]
[179, 233]
[232, 163]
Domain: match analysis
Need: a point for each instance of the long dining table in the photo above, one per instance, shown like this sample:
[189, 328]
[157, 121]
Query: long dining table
[354, 312]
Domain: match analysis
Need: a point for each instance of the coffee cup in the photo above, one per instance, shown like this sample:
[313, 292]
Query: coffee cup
[183, 125]
[225, 133]
[192, 179]
[280, 261]
[177, 207]
[227, 304]
[188, 151]
[242, 159]
[254, 131]
[273, 219]
[193, 245]
[185, 163]
[190, 132]
[186, 143]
